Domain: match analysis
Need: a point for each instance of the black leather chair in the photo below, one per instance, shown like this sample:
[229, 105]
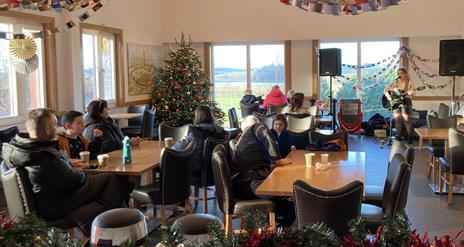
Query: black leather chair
[145, 130]
[206, 179]
[374, 194]
[395, 193]
[178, 133]
[247, 110]
[174, 184]
[276, 109]
[436, 148]
[233, 118]
[334, 208]
[299, 139]
[299, 124]
[315, 136]
[453, 166]
[6, 135]
[134, 123]
[265, 119]
[19, 197]
[225, 195]
[443, 111]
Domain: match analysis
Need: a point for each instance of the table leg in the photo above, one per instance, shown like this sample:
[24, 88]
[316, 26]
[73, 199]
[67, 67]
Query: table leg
[446, 149]
[421, 142]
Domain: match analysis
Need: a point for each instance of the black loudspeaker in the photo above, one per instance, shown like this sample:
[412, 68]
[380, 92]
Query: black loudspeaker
[330, 62]
[452, 57]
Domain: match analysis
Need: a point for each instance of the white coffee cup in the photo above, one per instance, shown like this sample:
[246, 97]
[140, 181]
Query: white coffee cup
[103, 160]
[324, 158]
[168, 142]
[309, 159]
[85, 157]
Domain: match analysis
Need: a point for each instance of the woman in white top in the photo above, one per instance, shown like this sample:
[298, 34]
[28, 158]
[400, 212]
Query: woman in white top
[403, 111]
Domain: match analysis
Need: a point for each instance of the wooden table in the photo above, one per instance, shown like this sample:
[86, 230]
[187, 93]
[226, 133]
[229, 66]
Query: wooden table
[346, 167]
[432, 134]
[123, 116]
[145, 158]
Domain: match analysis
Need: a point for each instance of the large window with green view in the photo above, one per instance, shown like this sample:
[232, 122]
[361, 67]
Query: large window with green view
[236, 68]
[368, 67]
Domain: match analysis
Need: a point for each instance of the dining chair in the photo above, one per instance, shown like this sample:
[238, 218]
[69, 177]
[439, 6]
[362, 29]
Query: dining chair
[6, 135]
[299, 124]
[313, 110]
[247, 110]
[145, 130]
[177, 133]
[443, 111]
[173, 186]
[206, 179]
[454, 165]
[265, 119]
[374, 193]
[335, 208]
[228, 204]
[436, 148]
[315, 136]
[299, 139]
[233, 119]
[395, 193]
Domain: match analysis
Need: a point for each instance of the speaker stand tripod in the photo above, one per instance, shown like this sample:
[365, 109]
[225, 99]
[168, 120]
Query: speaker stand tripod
[333, 105]
[390, 136]
[453, 101]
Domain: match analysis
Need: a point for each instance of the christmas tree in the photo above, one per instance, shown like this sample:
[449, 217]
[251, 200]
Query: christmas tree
[182, 86]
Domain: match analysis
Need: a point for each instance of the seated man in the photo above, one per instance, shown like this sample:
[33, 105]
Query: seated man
[59, 190]
[248, 98]
[252, 155]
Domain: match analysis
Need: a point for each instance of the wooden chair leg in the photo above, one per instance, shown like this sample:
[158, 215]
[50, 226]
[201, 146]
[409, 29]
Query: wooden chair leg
[272, 223]
[430, 166]
[228, 224]
[205, 200]
[434, 170]
[450, 188]
[440, 176]
[196, 194]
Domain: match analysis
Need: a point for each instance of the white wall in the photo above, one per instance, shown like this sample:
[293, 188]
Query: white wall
[262, 20]
[302, 53]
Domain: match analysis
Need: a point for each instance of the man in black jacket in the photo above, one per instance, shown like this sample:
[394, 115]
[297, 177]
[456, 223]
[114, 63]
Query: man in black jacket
[59, 190]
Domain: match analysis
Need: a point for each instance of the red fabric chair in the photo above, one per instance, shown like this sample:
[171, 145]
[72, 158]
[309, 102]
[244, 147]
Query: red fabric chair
[350, 115]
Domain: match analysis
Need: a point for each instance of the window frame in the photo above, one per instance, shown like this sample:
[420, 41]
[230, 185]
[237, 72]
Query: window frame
[209, 53]
[118, 61]
[48, 65]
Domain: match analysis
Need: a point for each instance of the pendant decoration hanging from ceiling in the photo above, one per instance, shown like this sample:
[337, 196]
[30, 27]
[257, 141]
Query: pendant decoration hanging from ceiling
[340, 7]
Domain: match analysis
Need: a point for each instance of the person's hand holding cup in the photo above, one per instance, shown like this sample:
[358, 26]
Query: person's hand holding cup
[168, 142]
[85, 157]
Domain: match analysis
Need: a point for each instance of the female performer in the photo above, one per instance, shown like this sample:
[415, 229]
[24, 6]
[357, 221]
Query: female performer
[404, 111]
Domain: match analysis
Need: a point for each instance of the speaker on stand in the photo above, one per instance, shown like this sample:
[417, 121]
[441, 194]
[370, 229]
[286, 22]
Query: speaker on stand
[330, 64]
[452, 63]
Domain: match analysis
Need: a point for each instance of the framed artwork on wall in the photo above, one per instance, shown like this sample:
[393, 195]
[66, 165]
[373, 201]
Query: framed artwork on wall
[143, 64]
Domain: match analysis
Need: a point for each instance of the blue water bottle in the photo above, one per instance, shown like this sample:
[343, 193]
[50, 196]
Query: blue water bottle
[126, 150]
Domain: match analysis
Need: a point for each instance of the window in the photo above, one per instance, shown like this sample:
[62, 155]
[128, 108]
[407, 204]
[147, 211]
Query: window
[236, 68]
[99, 65]
[18, 92]
[364, 81]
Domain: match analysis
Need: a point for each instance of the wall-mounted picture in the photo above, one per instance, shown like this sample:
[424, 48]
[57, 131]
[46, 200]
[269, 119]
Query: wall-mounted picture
[144, 62]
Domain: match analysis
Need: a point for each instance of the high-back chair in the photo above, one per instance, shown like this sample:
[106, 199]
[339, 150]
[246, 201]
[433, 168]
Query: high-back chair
[395, 193]
[373, 193]
[453, 166]
[145, 130]
[315, 136]
[299, 139]
[247, 110]
[225, 194]
[335, 208]
[19, 197]
[313, 110]
[436, 148]
[233, 118]
[174, 184]
[350, 115]
[206, 180]
[178, 133]
[265, 119]
[443, 111]
[299, 124]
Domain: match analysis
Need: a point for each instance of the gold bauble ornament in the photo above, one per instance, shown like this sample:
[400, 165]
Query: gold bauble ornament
[23, 49]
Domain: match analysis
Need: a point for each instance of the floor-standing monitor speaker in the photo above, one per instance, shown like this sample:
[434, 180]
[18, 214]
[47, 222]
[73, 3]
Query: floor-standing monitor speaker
[330, 62]
[452, 57]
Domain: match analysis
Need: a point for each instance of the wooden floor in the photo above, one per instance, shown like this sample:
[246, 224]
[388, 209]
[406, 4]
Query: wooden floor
[427, 211]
